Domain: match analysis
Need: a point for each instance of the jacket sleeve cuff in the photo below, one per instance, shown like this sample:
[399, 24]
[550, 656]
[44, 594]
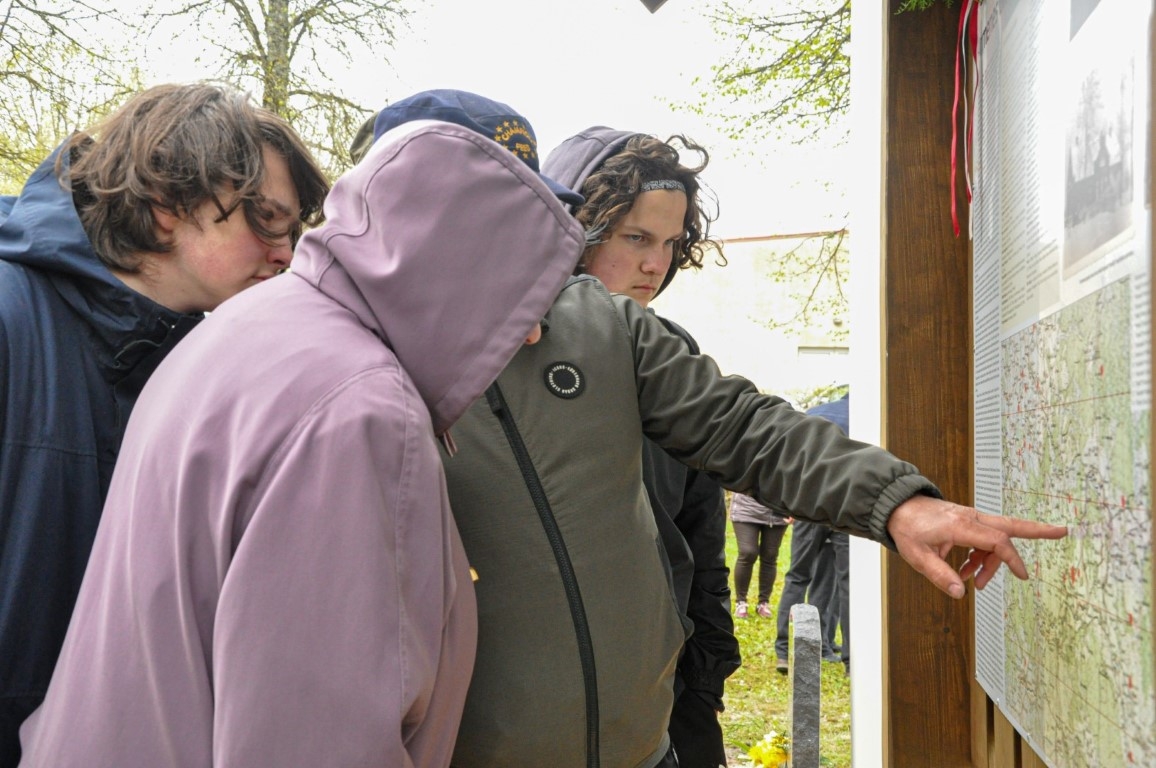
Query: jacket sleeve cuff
[899, 491]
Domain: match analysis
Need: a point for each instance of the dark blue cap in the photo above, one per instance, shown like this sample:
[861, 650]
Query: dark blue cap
[491, 119]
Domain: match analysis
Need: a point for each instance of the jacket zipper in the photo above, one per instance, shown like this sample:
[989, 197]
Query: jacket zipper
[498, 406]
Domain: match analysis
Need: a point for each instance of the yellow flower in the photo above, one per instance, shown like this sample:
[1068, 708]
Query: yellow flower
[772, 751]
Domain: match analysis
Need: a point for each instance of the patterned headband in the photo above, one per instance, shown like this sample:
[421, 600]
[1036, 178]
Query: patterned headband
[647, 186]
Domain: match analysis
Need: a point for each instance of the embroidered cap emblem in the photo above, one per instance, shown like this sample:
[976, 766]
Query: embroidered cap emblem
[518, 138]
[565, 380]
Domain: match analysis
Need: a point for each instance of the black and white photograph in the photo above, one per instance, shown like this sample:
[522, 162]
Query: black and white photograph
[1098, 168]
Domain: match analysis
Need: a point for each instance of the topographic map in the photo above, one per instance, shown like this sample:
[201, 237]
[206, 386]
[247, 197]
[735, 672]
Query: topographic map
[1079, 660]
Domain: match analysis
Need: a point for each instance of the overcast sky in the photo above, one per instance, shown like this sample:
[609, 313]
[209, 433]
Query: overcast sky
[569, 65]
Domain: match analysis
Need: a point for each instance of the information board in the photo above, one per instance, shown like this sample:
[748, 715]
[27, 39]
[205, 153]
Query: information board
[1062, 247]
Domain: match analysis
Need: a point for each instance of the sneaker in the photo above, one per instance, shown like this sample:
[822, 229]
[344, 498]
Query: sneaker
[781, 665]
[763, 610]
[741, 609]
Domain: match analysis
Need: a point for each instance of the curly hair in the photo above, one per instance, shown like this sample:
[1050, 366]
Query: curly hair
[175, 147]
[611, 190]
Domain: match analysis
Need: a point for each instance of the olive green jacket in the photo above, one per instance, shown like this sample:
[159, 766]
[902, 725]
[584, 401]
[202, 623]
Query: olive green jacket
[578, 629]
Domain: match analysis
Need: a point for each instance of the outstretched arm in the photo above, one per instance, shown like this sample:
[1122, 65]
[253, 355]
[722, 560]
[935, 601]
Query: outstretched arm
[925, 529]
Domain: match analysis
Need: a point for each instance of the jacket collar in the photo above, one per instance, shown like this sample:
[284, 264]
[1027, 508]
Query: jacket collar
[43, 232]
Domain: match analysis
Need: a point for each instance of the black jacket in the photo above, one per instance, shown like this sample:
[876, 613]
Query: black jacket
[696, 547]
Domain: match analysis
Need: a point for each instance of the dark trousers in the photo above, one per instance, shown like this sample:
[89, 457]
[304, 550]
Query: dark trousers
[823, 594]
[757, 542]
[695, 733]
[822, 584]
[829, 593]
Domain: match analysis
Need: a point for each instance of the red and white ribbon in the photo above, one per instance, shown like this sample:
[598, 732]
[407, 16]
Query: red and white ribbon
[966, 85]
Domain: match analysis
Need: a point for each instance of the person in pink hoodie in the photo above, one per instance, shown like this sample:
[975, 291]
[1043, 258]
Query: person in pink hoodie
[277, 579]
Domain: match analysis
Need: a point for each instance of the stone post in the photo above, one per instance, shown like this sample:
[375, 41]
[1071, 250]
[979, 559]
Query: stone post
[805, 661]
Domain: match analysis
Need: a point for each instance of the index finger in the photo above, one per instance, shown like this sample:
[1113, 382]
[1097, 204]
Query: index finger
[1022, 529]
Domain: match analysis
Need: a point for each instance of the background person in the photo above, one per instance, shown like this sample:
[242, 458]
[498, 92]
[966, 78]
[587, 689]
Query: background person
[823, 582]
[823, 593]
[758, 534]
[118, 244]
[277, 580]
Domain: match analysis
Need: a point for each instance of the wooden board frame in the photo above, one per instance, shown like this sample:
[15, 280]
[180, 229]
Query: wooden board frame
[937, 715]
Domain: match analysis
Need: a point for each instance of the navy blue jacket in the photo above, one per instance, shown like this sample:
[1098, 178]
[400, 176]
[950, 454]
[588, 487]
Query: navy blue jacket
[838, 411]
[76, 346]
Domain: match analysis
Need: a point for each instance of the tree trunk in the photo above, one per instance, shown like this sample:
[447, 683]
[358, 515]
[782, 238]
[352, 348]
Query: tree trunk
[275, 68]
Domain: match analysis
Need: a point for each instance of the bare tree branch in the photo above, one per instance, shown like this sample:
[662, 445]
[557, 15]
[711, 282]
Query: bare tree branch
[283, 51]
[816, 271]
[54, 77]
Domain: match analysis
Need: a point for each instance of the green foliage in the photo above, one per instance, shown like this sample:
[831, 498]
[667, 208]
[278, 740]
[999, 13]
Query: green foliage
[757, 697]
[920, 5]
[788, 78]
[790, 73]
[283, 50]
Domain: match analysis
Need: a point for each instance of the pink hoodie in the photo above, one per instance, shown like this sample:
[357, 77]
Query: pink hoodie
[277, 579]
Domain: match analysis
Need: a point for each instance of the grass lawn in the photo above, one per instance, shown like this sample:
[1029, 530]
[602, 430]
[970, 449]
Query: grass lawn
[757, 697]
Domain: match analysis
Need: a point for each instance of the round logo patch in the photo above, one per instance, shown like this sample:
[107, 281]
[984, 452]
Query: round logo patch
[565, 380]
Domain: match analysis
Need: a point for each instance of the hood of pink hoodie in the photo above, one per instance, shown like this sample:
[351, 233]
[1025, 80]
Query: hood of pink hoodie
[435, 209]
